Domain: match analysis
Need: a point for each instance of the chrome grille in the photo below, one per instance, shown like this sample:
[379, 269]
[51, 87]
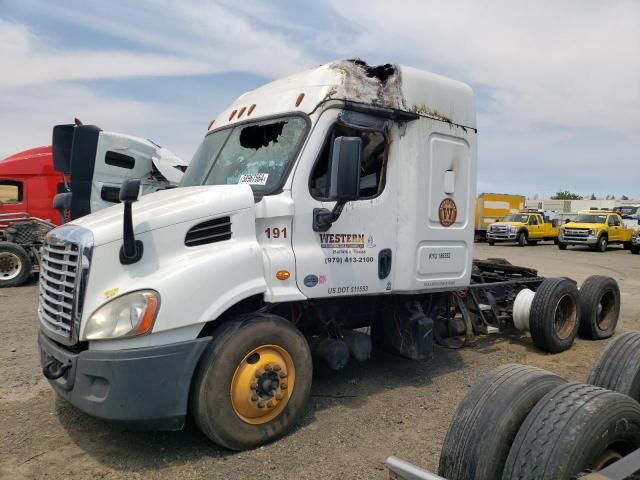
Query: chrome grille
[499, 229]
[58, 280]
[576, 234]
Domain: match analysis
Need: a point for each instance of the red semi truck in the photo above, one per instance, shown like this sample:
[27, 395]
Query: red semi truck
[82, 171]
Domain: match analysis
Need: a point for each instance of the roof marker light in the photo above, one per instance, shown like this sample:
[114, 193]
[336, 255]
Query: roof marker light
[233, 114]
[299, 99]
[241, 112]
[211, 124]
[251, 109]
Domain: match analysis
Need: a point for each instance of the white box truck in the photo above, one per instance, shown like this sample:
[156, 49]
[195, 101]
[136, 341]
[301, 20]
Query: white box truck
[328, 201]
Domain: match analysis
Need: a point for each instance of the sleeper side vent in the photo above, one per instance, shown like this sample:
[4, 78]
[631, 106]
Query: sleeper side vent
[211, 231]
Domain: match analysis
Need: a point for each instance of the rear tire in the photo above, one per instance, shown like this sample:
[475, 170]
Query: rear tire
[555, 311]
[15, 265]
[240, 399]
[603, 243]
[488, 418]
[618, 366]
[522, 239]
[599, 307]
[573, 429]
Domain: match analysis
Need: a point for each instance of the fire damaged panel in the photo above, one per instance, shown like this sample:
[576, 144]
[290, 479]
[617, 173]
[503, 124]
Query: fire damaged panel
[379, 85]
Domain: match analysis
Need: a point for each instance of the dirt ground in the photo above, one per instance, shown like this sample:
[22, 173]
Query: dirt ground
[356, 418]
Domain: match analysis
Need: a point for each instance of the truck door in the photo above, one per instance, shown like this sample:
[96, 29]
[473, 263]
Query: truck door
[615, 228]
[355, 256]
[535, 227]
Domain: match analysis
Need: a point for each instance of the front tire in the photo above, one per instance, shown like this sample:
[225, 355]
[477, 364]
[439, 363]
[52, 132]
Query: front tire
[562, 246]
[491, 243]
[15, 265]
[253, 382]
[603, 243]
[635, 249]
[555, 312]
[522, 239]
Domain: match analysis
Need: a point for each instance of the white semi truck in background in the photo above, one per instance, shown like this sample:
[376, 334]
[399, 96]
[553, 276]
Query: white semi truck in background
[328, 201]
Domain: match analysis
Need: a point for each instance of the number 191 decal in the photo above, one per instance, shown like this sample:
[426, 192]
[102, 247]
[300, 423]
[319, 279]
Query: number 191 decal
[275, 232]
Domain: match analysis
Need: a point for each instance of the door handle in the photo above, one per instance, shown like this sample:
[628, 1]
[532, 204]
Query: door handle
[384, 263]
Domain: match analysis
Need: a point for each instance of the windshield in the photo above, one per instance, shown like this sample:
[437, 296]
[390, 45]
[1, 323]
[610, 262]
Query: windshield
[258, 154]
[516, 218]
[590, 219]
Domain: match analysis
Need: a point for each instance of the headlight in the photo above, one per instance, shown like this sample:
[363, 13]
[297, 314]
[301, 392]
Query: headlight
[592, 231]
[130, 315]
[514, 229]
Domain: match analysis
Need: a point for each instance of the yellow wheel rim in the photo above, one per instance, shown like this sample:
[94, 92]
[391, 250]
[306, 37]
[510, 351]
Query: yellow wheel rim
[262, 384]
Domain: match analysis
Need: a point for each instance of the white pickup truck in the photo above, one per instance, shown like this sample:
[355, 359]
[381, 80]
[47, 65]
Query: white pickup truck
[335, 199]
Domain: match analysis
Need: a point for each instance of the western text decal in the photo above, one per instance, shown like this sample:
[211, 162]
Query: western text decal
[342, 240]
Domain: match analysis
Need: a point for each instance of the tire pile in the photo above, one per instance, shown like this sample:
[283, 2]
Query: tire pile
[527, 423]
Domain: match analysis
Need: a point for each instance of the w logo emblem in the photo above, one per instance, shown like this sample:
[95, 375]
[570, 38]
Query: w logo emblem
[447, 212]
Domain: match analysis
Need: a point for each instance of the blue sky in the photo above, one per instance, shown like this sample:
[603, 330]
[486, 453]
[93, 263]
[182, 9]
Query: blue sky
[557, 83]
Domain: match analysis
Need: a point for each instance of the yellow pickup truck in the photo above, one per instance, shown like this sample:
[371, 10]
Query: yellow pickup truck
[635, 241]
[525, 228]
[596, 229]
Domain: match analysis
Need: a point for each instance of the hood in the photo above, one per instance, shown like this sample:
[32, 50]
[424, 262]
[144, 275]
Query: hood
[168, 207]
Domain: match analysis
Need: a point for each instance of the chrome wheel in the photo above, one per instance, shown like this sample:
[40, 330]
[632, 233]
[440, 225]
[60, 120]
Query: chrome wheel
[10, 266]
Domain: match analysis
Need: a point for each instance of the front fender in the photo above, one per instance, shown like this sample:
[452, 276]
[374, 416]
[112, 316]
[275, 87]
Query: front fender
[196, 284]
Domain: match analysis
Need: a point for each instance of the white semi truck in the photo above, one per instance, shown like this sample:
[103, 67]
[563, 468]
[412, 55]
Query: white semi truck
[320, 204]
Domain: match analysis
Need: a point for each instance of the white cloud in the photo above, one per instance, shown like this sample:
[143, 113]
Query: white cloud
[26, 59]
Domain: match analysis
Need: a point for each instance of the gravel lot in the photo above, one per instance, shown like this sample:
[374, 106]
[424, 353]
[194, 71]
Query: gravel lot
[357, 417]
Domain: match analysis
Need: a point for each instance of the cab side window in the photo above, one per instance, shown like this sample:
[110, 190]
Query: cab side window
[614, 221]
[533, 220]
[10, 191]
[372, 163]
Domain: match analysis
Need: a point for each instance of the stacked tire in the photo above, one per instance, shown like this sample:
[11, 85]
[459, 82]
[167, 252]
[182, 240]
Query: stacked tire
[526, 423]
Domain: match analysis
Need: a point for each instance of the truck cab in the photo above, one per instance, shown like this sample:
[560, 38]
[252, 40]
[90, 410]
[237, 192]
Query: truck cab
[596, 229]
[28, 183]
[313, 204]
[528, 227]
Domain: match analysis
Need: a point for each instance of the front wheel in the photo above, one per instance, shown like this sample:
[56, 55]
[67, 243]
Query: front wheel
[491, 243]
[522, 239]
[15, 265]
[562, 246]
[603, 243]
[635, 249]
[253, 382]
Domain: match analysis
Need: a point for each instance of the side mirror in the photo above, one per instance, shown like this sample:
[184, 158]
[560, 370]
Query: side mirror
[129, 191]
[132, 249]
[345, 169]
[344, 183]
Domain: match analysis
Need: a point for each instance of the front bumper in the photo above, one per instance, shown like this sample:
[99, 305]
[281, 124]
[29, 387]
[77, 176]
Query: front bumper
[590, 241]
[147, 386]
[502, 237]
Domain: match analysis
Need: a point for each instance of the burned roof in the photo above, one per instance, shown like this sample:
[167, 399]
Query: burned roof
[388, 85]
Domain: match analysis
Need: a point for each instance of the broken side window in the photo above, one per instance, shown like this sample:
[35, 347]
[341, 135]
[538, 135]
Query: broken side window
[258, 154]
[372, 165]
